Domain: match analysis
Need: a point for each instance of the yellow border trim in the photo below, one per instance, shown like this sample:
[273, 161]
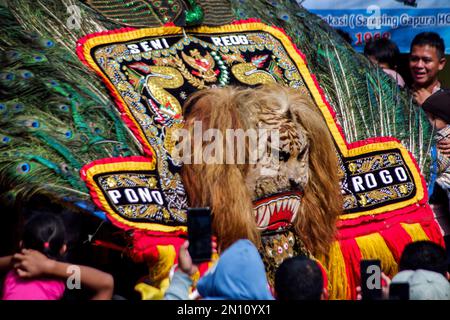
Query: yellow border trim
[301, 64]
[415, 231]
[125, 166]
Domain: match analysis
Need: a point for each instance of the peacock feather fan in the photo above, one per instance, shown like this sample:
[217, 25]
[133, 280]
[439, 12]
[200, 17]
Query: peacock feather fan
[56, 116]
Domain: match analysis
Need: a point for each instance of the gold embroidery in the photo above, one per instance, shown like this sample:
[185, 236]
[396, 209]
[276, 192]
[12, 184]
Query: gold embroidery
[203, 64]
[249, 74]
[197, 83]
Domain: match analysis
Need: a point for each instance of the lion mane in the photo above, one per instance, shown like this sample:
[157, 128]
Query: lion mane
[230, 189]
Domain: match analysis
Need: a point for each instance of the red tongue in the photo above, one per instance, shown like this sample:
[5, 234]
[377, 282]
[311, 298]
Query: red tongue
[280, 218]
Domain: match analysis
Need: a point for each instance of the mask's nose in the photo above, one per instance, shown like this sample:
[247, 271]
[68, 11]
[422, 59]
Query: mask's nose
[294, 184]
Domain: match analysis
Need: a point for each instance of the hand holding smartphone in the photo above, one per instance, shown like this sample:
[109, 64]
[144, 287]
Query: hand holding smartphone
[199, 234]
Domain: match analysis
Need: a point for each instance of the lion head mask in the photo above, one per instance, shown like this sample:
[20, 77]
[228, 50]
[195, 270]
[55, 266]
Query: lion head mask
[264, 161]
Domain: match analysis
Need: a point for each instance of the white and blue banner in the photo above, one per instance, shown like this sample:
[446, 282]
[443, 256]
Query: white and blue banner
[399, 20]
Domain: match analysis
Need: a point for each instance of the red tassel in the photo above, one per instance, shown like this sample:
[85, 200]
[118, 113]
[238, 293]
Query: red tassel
[144, 245]
[396, 239]
[352, 257]
[433, 232]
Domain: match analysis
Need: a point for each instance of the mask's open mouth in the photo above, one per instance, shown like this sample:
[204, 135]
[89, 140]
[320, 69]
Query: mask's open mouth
[278, 211]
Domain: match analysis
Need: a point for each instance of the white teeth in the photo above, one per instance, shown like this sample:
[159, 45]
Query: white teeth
[295, 209]
[296, 206]
[279, 205]
[266, 211]
[265, 218]
[272, 208]
[283, 205]
[294, 216]
[260, 215]
[291, 205]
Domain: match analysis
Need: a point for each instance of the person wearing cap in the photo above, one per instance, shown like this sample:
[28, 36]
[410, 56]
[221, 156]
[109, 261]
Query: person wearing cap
[424, 284]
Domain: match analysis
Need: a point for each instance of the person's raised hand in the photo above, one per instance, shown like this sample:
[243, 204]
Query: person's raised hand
[385, 283]
[185, 261]
[31, 263]
[420, 95]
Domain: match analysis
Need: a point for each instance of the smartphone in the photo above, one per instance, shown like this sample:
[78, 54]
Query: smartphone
[199, 229]
[399, 291]
[371, 279]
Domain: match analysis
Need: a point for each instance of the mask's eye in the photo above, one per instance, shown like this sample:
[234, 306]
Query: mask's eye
[301, 154]
[284, 156]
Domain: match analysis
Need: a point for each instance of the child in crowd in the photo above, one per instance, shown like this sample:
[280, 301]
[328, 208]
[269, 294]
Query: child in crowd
[300, 278]
[38, 272]
[384, 53]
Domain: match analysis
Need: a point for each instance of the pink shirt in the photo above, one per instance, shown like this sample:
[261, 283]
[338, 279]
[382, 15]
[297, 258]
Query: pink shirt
[396, 76]
[16, 288]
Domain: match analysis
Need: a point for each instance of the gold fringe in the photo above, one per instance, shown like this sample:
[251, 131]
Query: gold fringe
[337, 276]
[373, 246]
[158, 275]
[149, 292]
[415, 231]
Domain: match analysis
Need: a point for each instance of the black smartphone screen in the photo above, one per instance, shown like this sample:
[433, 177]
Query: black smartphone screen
[399, 291]
[371, 279]
[199, 234]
